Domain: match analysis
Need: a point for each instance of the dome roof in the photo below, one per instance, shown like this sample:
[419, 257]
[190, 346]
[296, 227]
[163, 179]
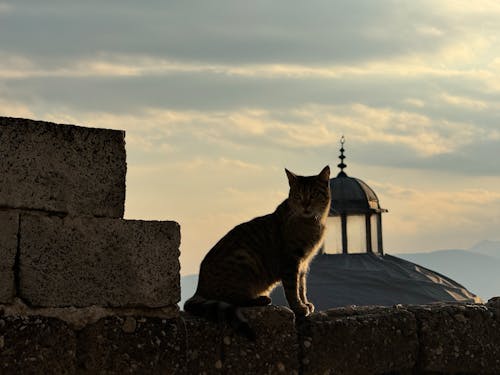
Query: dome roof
[369, 279]
[352, 196]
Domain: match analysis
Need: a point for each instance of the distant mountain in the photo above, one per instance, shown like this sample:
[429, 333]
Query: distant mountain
[491, 248]
[188, 287]
[479, 273]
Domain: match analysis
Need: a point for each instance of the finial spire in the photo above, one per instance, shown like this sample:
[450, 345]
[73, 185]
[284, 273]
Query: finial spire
[342, 165]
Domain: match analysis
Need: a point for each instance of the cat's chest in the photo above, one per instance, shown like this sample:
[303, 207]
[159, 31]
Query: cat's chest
[304, 233]
[305, 226]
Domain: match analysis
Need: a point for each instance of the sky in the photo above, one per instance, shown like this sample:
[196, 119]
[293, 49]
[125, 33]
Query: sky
[218, 97]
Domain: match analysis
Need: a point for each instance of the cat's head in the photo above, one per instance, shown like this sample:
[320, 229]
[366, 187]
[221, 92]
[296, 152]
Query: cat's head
[309, 195]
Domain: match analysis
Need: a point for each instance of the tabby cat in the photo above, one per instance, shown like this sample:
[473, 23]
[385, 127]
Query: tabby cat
[246, 264]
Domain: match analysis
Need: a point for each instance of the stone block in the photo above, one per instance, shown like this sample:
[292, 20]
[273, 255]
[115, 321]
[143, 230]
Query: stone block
[214, 349]
[62, 168]
[359, 341]
[83, 261]
[132, 345]
[36, 345]
[9, 223]
[457, 338]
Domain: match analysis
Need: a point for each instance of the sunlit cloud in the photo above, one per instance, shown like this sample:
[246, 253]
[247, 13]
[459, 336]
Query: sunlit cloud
[414, 102]
[309, 126]
[119, 65]
[429, 30]
[14, 108]
[435, 215]
[220, 163]
[462, 101]
[488, 7]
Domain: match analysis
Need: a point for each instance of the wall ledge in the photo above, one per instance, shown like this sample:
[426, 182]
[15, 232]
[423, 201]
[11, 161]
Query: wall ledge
[416, 339]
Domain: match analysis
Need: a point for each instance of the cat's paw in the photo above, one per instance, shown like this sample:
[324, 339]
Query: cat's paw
[301, 310]
[310, 306]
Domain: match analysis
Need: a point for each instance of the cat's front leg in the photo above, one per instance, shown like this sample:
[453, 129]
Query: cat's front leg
[291, 284]
[303, 292]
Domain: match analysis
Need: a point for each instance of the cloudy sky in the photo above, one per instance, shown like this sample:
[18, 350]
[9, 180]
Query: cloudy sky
[217, 97]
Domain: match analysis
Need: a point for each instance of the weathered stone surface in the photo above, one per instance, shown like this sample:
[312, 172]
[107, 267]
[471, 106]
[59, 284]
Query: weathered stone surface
[132, 345]
[214, 349]
[461, 339]
[359, 341]
[78, 317]
[62, 168]
[9, 223]
[36, 345]
[76, 261]
[452, 339]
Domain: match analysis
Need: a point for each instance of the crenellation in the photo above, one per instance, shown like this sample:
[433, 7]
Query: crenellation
[62, 168]
[63, 242]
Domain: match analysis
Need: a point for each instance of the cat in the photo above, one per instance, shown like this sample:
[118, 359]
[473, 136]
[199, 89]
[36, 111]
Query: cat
[248, 262]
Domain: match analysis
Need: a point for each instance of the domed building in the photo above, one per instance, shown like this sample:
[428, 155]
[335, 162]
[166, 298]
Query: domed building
[352, 268]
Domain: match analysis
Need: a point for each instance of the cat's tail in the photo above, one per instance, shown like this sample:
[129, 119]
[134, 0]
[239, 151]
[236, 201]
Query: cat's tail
[218, 312]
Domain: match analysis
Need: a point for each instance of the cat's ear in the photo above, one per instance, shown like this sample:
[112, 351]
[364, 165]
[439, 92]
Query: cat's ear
[324, 175]
[292, 177]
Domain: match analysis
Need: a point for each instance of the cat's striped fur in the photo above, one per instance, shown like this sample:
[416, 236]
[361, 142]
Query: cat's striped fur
[246, 264]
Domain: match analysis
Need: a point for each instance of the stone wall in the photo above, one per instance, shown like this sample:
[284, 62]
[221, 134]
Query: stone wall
[83, 291]
[439, 339]
[63, 239]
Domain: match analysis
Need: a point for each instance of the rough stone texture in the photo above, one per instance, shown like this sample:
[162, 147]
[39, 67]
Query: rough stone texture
[359, 341]
[214, 349]
[9, 223]
[76, 261]
[458, 339]
[62, 168]
[78, 317]
[451, 339]
[132, 345]
[36, 345]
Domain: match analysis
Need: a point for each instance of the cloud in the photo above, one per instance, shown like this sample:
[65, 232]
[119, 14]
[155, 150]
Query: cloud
[116, 65]
[460, 101]
[222, 163]
[378, 136]
[215, 103]
[5, 8]
[12, 108]
[435, 218]
[288, 33]
[414, 102]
